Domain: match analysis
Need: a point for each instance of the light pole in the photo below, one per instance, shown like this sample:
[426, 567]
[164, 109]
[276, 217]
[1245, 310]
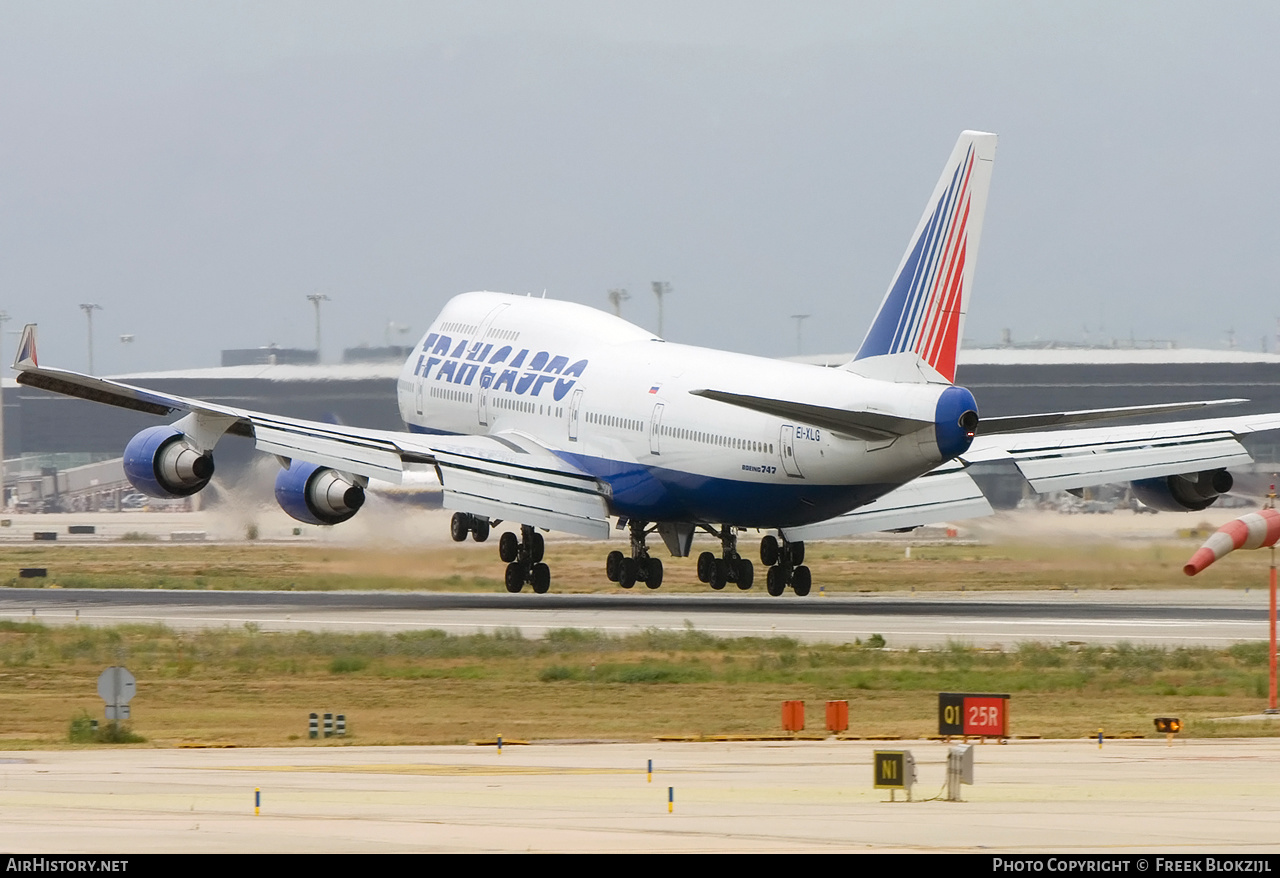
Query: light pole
[88, 309]
[4, 495]
[799, 319]
[316, 299]
[616, 298]
[660, 289]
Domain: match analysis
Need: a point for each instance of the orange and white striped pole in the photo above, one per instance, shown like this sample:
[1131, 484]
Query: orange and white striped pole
[1257, 530]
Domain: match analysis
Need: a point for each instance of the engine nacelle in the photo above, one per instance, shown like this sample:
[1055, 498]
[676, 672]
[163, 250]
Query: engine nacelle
[160, 462]
[1186, 493]
[317, 494]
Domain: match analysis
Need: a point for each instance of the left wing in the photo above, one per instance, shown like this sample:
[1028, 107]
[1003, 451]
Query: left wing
[508, 476]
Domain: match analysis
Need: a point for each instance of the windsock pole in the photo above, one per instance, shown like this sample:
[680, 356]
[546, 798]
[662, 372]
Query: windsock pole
[1257, 530]
[1272, 654]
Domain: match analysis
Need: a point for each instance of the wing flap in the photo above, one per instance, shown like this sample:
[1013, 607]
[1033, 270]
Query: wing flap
[362, 456]
[543, 493]
[943, 495]
[1061, 460]
[1056, 469]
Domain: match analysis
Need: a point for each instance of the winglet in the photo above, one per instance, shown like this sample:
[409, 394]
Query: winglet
[26, 357]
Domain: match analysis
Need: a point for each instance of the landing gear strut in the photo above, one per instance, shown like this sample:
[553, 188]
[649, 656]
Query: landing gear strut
[639, 567]
[523, 555]
[730, 566]
[785, 566]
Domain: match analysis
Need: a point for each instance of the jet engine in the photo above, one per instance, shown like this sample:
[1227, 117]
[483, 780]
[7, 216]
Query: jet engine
[317, 494]
[160, 462]
[1185, 493]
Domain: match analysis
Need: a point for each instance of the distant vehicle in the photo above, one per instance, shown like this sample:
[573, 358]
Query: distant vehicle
[134, 501]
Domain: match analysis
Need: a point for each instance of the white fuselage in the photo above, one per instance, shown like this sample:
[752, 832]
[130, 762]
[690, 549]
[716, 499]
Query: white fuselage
[615, 400]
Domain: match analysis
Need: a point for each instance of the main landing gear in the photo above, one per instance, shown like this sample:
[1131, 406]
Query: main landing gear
[639, 567]
[785, 562]
[729, 567]
[522, 554]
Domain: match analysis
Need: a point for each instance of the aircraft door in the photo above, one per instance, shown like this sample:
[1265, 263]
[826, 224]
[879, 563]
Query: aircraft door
[655, 429]
[575, 407]
[787, 448]
[482, 393]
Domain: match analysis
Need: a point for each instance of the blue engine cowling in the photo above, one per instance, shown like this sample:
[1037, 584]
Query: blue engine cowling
[160, 462]
[317, 494]
[1188, 493]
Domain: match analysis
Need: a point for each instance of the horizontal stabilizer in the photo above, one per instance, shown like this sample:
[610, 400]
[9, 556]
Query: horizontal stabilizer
[1018, 423]
[869, 426]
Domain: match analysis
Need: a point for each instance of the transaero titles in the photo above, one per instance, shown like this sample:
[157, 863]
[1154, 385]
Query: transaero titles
[461, 363]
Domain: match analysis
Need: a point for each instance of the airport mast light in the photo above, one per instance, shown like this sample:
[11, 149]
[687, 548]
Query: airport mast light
[660, 289]
[799, 319]
[88, 309]
[316, 299]
[616, 298]
[4, 499]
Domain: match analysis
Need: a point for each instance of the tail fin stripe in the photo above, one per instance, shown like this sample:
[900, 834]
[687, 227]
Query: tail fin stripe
[944, 302]
[927, 293]
[916, 299]
[945, 338]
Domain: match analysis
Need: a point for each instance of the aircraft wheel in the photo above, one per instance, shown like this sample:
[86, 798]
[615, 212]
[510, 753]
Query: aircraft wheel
[801, 581]
[611, 565]
[626, 573]
[459, 526]
[706, 561]
[541, 578]
[769, 551]
[746, 574]
[515, 577]
[508, 547]
[479, 529]
[774, 582]
[719, 573]
[537, 546]
[653, 573]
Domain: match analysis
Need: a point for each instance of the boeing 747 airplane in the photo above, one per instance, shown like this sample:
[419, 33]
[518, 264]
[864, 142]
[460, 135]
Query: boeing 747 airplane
[549, 415]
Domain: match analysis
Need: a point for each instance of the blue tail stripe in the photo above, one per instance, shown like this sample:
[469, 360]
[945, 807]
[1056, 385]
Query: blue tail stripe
[940, 225]
[902, 314]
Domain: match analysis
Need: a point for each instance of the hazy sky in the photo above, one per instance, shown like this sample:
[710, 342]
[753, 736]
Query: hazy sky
[197, 169]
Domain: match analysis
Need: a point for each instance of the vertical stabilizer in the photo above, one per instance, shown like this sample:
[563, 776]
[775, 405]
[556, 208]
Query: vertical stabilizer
[26, 356]
[923, 312]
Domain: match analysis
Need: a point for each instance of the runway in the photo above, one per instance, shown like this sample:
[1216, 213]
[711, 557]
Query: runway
[919, 619]
[1127, 798]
